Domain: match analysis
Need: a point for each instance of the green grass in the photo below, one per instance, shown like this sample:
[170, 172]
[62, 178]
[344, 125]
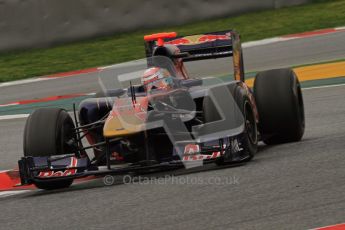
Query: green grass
[128, 46]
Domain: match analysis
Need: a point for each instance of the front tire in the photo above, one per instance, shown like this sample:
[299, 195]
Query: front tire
[279, 101]
[249, 138]
[48, 185]
[47, 133]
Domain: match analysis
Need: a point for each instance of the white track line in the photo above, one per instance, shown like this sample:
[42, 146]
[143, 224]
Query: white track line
[322, 87]
[5, 105]
[26, 81]
[266, 42]
[12, 193]
[340, 28]
[15, 116]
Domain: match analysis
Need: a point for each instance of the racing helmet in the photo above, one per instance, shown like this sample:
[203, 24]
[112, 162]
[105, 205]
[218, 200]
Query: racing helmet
[156, 78]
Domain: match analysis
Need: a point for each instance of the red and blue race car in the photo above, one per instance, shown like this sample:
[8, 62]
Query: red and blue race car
[157, 117]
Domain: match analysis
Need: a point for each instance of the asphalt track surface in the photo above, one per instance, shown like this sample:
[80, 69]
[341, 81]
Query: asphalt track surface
[290, 186]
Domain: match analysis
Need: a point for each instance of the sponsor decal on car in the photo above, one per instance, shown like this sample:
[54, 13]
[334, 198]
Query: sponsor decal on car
[191, 149]
[68, 172]
[199, 157]
[198, 39]
[235, 146]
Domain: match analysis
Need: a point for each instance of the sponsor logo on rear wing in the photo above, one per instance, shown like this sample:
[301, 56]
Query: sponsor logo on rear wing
[199, 39]
[200, 46]
[205, 46]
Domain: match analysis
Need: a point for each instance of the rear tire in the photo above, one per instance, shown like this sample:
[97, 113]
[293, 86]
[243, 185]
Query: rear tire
[279, 101]
[46, 133]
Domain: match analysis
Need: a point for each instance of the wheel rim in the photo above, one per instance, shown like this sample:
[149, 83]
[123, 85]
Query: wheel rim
[250, 124]
[300, 104]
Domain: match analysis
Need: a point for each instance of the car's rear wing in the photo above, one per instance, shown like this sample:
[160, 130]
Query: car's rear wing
[207, 46]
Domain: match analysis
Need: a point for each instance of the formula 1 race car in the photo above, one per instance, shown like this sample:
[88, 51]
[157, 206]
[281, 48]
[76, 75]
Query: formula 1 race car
[156, 117]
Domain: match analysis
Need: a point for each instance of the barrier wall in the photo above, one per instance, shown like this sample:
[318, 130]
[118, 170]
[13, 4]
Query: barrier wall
[41, 23]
